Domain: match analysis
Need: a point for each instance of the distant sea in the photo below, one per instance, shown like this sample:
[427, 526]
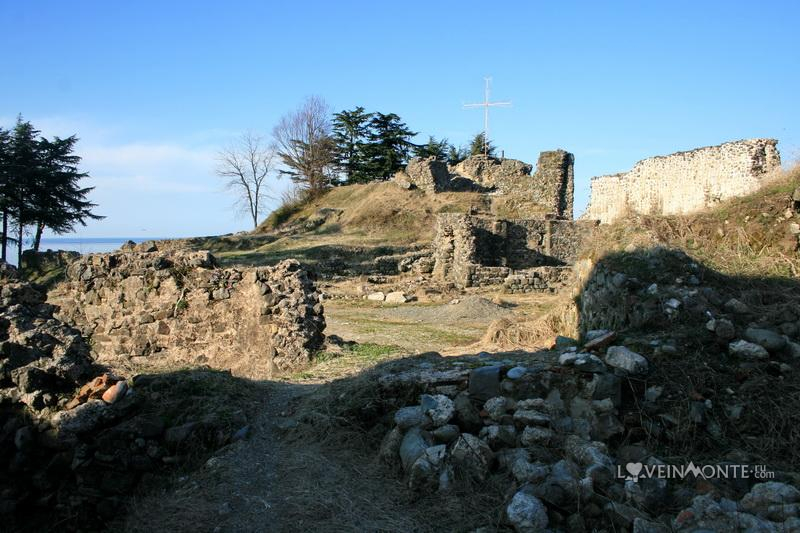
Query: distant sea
[84, 245]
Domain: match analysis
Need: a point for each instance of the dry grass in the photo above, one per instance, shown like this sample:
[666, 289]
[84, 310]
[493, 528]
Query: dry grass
[537, 321]
[747, 236]
[380, 209]
[341, 425]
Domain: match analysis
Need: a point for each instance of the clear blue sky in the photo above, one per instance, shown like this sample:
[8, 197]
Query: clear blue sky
[153, 89]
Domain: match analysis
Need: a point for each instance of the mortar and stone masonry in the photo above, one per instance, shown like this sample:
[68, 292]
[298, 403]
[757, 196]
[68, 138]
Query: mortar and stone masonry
[551, 186]
[177, 307]
[521, 255]
[685, 182]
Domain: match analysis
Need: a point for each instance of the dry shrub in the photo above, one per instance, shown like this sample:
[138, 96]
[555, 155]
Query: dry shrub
[532, 334]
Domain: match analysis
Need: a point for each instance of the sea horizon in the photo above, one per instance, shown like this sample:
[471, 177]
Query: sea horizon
[82, 245]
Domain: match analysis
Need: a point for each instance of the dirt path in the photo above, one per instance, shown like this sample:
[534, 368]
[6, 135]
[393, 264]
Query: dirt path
[236, 490]
[275, 481]
[270, 483]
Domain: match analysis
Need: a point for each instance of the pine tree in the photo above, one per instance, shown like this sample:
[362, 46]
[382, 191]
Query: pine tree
[433, 148]
[390, 142]
[39, 184]
[351, 135]
[476, 147]
[6, 190]
[24, 167]
[456, 155]
[60, 202]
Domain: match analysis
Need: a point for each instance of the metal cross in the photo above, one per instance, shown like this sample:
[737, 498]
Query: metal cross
[486, 104]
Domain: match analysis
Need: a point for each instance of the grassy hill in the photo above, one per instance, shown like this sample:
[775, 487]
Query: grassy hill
[350, 223]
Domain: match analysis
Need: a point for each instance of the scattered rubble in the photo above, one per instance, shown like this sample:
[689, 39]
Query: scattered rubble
[77, 437]
[572, 429]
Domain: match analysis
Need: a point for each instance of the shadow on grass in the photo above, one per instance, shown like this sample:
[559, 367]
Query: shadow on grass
[324, 258]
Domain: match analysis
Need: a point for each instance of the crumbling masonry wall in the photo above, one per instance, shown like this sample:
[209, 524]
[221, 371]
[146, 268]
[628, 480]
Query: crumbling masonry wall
[178, 307]
[685, 181]
[523, 255]
[428, 174]
[549, 190]
[551, 186]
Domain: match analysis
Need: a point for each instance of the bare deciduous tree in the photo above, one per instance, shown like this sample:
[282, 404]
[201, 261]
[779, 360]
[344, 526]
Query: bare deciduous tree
[304, 144]
[247, 163]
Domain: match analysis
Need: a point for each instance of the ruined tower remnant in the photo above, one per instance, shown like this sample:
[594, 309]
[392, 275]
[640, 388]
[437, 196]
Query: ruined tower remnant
[524, 255]
[550, 186]
[685, 181]
[547, 191]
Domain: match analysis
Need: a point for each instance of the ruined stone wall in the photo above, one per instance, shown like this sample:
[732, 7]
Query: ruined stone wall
[540, 279]
[550, 187]
[75, 436]
[177, 307]
[532, 243]
[685, 181]
[454, 247]
[428, 174]
[479, 251]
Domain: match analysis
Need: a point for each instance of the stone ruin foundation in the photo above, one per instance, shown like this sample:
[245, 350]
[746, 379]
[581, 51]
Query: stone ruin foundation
[178, 307]
[521, 255]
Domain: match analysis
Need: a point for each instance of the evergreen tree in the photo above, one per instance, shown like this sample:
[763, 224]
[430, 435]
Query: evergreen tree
[24, 168]
[59, 201]
[390, 142]
[6, 188]
[456, 155]
[350, 135]
[433, 148]
[39, 184]
[476, 147]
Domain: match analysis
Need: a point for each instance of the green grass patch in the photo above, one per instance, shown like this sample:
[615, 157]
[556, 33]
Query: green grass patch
[352, 358]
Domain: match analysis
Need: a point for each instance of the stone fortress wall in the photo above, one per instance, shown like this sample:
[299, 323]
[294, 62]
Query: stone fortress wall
[547, 190]
[522, 255]
[684, 182]
[177, 307]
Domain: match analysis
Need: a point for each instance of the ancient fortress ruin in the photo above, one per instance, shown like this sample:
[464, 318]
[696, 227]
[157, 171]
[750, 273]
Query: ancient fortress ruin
[522, 254]
[179, 308]
[685, 181]
[548, 190]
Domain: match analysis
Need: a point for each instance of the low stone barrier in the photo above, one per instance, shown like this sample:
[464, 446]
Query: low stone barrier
[180, 308]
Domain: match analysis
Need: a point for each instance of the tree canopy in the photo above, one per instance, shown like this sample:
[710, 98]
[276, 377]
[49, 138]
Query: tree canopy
[305, 146]
[438, 149]
[370, 146]
[480, 144]
[389, 145]
[40, 185]
[351, 135]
